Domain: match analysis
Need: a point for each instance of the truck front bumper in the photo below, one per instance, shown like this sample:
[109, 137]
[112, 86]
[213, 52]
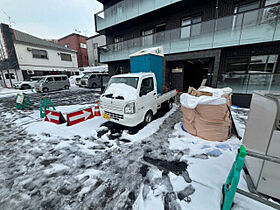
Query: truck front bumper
[129, 120]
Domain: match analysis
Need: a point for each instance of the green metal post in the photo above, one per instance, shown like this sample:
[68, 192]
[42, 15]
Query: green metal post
[233, 178]
[44, 105]
[25, 103]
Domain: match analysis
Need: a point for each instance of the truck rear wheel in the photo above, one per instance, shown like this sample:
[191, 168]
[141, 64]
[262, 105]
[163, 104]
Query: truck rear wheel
[148, 117]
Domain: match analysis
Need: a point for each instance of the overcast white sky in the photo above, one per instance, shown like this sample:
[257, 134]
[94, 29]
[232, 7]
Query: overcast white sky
[51, 19]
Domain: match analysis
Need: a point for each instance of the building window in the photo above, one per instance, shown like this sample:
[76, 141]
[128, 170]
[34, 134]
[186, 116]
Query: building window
[190, 26]
[83, 45]
[39, 54]
[66, 45]
[147, 39]
[118, 45]
[10, 76]
[263, 63]
[160, 27]
[65, 57]
[253, 64]
[271, 2]
[237, 65]
[246, 7]
[118, 39]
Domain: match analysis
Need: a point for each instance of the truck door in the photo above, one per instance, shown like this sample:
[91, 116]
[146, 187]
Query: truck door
[147, 96]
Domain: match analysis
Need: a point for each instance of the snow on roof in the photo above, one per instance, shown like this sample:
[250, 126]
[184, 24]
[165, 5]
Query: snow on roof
[154, 51]
[96, 69]
[30, 39]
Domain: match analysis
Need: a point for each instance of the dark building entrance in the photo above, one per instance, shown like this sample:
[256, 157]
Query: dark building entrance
[189, 73]
[194, 73]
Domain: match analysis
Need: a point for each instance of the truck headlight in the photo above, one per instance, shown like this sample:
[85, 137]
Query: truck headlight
[129, 108]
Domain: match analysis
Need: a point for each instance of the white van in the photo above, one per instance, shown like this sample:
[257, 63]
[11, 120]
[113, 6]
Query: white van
[52, 82]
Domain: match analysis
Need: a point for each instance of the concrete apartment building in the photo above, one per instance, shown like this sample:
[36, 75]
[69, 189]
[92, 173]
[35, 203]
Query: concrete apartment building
[230, 42]
[93, 43]
[23, 55]
[78, 43]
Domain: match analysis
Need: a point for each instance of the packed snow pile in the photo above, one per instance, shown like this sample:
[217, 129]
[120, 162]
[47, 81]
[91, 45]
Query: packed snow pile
[208, 116]
[121, 90]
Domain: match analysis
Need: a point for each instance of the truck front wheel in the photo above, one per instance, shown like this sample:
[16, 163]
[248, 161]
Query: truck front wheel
[148, 117]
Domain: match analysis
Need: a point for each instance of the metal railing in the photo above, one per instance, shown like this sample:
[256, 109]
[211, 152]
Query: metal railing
[247, 83]
[126, 10]
[255, 26]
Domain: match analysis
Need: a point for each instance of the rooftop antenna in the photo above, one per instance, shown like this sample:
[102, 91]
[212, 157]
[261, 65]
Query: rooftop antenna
[9, 17]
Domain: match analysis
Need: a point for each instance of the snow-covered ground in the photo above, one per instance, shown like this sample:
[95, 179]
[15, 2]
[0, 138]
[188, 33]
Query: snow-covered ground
[7, 92]
[91, 166]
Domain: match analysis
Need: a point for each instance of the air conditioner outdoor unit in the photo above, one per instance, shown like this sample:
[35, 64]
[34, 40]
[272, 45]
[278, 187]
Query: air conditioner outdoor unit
[262, 136]
[30, 72]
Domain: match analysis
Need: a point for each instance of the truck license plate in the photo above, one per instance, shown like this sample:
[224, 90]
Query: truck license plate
[106, 116]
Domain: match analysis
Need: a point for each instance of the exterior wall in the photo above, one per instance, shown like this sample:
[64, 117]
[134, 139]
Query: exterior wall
[93, 56]
[217, 58]
[73, 41]
[29, 66]
[54, 61]
[8, 58]
[16, 75]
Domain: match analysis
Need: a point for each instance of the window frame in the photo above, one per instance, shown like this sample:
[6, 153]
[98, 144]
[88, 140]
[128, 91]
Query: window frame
[148, 90]
[189, 26]
[40, 54]
[65, 57]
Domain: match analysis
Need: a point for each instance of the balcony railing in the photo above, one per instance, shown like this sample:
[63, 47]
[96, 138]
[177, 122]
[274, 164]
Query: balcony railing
[126, 10]
[255, 26]
[247, 83]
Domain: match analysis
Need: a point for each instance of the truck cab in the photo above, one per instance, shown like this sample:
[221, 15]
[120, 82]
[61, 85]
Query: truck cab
[131, 99]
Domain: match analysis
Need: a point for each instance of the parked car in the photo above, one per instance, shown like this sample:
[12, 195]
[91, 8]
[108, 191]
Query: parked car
[52, 82]
[28, 84]
[92, 80]
[75, 80]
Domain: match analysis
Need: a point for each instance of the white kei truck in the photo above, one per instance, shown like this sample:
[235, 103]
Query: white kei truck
[134, 98]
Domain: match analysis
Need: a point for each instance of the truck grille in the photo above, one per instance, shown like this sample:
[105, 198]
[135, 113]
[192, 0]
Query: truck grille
[112, 107]
[114, 115]
[83, 83]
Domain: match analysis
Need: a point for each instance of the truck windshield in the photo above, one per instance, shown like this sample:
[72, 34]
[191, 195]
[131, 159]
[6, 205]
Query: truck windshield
[131, 81]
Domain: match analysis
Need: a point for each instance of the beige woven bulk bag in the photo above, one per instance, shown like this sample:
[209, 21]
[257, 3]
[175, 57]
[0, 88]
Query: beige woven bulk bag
[208, 121]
